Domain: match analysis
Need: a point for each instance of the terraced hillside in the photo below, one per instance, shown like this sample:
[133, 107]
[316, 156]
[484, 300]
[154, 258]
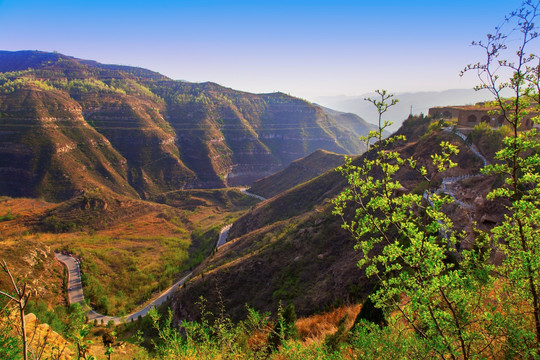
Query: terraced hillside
[68, 125]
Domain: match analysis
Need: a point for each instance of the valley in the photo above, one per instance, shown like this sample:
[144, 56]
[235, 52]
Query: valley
[143, 217]
[75, 293]
[127, 178]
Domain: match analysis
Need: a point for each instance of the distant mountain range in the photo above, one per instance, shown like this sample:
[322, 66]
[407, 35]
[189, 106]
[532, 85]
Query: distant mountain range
[68, 125]
[420, 102]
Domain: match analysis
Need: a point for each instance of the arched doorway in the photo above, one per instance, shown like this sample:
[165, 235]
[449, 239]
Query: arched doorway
[471, 119]
[500, 120]
[485, 119]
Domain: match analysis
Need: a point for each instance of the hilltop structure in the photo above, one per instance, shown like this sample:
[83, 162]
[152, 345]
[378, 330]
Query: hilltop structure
[470, 115]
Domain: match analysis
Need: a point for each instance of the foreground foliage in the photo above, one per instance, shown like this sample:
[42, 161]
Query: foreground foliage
[454, 302]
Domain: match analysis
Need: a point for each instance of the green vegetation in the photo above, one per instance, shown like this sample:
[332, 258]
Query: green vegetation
[431, 297]
[7, 216]
[9, 85]
[488, 139]
[117, 279]
[215, 336]
[407, 245]
[9, 342]
[453, 302]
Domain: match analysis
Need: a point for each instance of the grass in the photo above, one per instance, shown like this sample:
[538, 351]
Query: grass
[126, 262]
[315, 328]
[122, 273]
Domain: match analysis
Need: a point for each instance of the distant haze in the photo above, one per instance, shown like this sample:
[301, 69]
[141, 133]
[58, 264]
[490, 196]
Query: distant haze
[420, 102]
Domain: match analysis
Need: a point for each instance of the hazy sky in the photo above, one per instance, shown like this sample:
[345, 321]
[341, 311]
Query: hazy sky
[305, 48]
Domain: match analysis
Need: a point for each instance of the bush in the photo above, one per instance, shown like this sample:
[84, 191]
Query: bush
[7, 217]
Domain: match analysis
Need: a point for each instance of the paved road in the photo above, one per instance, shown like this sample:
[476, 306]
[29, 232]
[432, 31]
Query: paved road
[245, 192]
[225, 230]
[75, 293]
[223, 235]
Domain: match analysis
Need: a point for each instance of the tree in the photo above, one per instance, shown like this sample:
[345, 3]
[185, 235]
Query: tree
[108, 338]
[285, 327]
[516, 71]
[409, 247]
[407, 242]
[20, 298]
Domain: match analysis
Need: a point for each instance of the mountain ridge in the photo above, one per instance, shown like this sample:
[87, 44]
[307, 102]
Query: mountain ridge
[69, 125]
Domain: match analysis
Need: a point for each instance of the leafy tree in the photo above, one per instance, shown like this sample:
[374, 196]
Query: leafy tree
[407, 242]
[285, 327]
[82, 345]
[516, 70]
[108, 338]
[408, 245]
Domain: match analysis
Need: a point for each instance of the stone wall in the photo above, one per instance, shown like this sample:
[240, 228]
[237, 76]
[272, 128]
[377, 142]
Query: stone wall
[469, 116]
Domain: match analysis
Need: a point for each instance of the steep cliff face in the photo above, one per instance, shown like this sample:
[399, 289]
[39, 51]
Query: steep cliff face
[68, 125]
[48, 149]
[239, 137]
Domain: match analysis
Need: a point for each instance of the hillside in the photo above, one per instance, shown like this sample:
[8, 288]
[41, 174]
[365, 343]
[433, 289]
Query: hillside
[291, 248]
[419, 101]
[353, 121]
[68, 125]
[129, 249]
[298, 172]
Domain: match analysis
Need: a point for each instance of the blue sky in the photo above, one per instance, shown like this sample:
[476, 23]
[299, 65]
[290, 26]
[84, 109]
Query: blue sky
[305, 48]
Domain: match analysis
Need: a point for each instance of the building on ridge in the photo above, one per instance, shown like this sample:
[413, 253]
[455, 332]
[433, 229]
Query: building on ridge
[470, 115]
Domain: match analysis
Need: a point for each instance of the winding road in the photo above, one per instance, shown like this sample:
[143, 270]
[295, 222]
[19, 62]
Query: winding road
[75, 290]
[245, 192]
[223, 235]
[225, 230]
[75, 293]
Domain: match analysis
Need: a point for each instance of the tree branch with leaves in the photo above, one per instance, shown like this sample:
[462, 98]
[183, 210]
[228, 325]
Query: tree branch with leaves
[409, 247]
[514, 71]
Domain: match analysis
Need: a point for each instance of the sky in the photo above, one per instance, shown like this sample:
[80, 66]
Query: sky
[304, 48]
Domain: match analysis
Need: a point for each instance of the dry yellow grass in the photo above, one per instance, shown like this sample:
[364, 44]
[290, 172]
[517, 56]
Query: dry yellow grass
[316, 327]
